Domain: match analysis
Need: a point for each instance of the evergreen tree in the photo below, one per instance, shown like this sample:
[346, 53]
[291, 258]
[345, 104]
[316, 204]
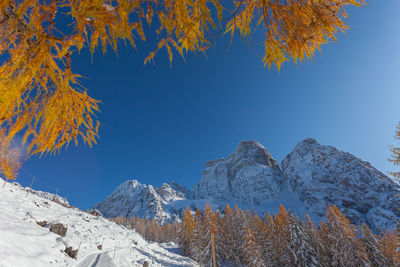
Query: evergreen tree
[206, 246]
[185, 232]
[251, 251]
[374, 253]
[263, 238]
[341, 238]
[389, 245]
[300, 245]
[280, 234]
[196, 243]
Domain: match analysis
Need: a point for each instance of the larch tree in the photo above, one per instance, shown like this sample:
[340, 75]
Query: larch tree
[280, 233]
[196, 243]
[251, 251]
[42, 98]
[395, 156]
[261, 231]
[374, 253]
[10, 158]
[389, 245]
[303, 251]
[341, 237]
[185, 231]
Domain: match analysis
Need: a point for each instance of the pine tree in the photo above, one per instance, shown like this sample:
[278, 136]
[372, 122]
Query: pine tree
[389, 245]
[225, 238]
[185, 232]
[300, 245]
[196, 243]
[206, 246]
[341, 239]
[251, 251]
[280, 232]
[374, 253]
[263, 238]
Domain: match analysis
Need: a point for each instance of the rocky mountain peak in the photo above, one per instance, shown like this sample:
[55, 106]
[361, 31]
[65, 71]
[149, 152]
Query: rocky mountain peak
[321, 175]
[312, 177]
[249, 175]
[254, 151]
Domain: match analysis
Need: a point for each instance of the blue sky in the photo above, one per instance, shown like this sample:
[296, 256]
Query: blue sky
[162, 124]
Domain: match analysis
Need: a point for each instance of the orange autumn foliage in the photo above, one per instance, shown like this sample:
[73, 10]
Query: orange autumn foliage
[42, 98]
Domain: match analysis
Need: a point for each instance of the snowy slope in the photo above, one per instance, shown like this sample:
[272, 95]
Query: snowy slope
[24, 243]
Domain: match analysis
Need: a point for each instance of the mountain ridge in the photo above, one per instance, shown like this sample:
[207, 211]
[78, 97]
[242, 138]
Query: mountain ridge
[310, 177]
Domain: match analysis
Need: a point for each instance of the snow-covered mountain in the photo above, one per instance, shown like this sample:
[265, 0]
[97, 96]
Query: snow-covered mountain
[132, 198]
[249, 176]
[320, 175]
[312, 176]
[23, 242]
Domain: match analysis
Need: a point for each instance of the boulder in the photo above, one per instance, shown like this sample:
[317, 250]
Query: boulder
[59, 229]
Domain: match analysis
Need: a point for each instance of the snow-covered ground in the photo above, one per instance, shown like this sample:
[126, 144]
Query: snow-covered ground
[24, 243]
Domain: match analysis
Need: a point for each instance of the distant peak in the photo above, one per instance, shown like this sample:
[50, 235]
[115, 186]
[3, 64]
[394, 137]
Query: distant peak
[309, 141]
[249, 143]
[253, 150]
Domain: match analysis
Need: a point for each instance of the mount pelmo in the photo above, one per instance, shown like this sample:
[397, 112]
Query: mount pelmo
[310, 177]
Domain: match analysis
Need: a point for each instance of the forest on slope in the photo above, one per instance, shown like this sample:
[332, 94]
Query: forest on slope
[242, 237]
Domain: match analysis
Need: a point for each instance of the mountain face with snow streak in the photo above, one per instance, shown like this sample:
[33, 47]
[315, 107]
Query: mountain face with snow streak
[248, 176]
[311, 177]
[132, 198]
[321, 175]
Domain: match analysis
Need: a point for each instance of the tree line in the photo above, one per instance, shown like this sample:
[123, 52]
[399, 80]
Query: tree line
[244, 238]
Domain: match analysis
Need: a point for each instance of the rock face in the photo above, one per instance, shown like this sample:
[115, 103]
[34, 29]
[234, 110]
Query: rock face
[321, 175]
[312, 177]
[248, 176]
[132, 198]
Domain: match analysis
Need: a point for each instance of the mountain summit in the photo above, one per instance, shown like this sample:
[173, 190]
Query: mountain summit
[311, 177]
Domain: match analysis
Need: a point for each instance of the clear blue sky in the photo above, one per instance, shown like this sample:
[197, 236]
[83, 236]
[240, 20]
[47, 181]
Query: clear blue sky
[162, 124]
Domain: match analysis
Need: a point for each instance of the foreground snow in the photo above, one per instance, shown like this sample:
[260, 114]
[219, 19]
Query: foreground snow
[24, 243]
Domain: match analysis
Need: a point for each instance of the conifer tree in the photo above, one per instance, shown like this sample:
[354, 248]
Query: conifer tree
[196, 244]
[185, 232]
[219, 231]
[389, 245]
[303, 252]
[263, 238]
[395, 156]
[42, 97]
[10, 158]
[226, 238]
[206, 247]
[251, 251]
[280, 233]
[341, 238]
[374, 253]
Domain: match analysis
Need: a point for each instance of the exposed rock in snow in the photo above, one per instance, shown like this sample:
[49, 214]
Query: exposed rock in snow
[248, 176]
[312, 177]
[132, 198]
[24, 243]
[42, 194]
[321, 175]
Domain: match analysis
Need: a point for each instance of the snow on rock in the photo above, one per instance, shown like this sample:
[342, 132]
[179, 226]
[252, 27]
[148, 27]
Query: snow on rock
[312, 177]
[25, 243]
[321, 175]
[132, 198]
[248, 176]
[46, 195]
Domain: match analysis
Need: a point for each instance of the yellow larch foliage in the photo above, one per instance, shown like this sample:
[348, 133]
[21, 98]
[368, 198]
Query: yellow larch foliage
[41, 97]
